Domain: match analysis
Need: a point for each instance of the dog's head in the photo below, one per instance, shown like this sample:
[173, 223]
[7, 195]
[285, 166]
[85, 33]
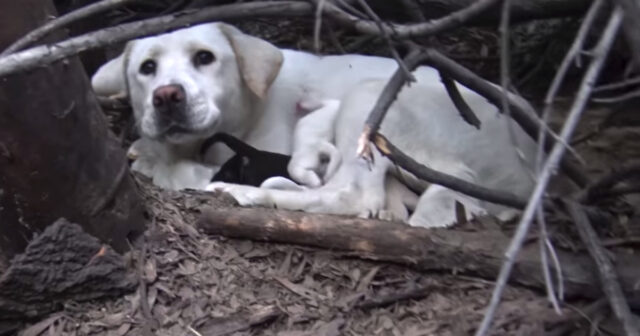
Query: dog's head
[188, 84]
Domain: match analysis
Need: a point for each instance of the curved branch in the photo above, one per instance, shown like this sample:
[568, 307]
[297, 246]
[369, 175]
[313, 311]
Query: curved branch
[44, 55]
[63, 21]
[450, 21]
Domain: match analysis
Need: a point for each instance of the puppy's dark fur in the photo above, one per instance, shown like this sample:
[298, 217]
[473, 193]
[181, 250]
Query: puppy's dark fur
[249, 165]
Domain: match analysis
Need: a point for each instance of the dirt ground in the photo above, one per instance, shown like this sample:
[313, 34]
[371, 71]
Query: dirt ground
[201, 285]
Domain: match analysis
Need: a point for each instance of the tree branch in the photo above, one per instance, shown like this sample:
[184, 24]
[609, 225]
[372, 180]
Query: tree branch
[606, 271]
[44, 55]
[63, 21]
[435, 26]
[432, 176]
[465, 110]
[600, 54]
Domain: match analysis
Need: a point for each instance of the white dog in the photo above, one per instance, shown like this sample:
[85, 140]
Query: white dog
[188, 84]
[313, 141]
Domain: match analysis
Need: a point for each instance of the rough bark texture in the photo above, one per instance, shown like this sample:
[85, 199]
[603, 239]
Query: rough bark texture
[475, 253]
[57, 157]
[63, 263]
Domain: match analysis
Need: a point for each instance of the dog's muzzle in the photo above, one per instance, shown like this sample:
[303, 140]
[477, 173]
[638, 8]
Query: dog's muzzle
[170, 102]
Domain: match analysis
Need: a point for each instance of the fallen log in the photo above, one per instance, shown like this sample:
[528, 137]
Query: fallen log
[474, 253]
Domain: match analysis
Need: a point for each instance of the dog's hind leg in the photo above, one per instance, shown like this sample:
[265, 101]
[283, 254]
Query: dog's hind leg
[398, 201]
[437, 205]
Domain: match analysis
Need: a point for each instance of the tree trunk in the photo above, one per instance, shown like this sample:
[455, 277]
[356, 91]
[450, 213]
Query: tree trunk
[57, 156]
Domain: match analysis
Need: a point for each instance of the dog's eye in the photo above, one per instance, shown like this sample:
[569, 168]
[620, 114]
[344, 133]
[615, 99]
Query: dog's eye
[203, 57]
[148, 67]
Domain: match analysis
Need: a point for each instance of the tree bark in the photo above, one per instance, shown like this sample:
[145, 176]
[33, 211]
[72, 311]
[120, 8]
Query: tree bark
[63, 263]
[57, 156]
[474, 253]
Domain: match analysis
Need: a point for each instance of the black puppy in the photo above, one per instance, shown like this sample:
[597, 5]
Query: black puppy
[249, 166]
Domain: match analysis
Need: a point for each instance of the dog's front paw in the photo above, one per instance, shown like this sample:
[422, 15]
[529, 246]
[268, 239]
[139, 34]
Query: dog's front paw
[244, 195]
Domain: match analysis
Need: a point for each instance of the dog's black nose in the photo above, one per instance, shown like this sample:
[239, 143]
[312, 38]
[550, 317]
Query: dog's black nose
[169, 98]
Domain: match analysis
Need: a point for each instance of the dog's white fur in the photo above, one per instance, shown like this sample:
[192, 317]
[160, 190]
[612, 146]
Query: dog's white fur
[156, 160]
[251, 91]
[313, 140]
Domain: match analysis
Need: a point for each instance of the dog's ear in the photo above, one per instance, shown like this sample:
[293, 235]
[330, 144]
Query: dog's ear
[258, 60]
[109, 80]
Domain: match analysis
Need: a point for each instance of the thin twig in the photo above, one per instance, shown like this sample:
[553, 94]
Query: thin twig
[317, 27]
[504, 57]
[543, 240]
[453, 20]
[606, 271]
[521, 111]
[617, 99]
[387, 39]
[387, 97]
[618, 85]
[44, 55]
[144, 301]
[558, 267]
[334, 39]
[608, 181]
[352, 10]
[425, 173]
[569, 58]
[505, 81]
[64, 21]
[599, 55]
[465, 110]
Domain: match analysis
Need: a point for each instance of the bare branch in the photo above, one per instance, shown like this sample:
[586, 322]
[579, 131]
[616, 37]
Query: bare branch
[543, 242]
[619, 85]
[425, 173]
[618, 99]
[599, 56]
[387, 38]
[387, 97]
[606, 271]
[465, 110]
[44, 55]
[317, 27]
[569, 58]
[450, 21]
[521, 112]
[63, 21]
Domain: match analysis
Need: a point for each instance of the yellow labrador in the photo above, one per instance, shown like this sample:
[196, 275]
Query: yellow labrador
[188, 84]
